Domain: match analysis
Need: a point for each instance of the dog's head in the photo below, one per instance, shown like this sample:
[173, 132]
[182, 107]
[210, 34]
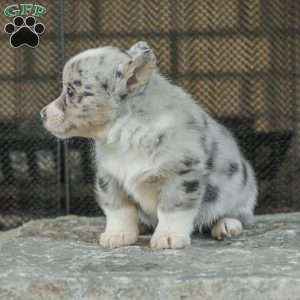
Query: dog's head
[96, 83]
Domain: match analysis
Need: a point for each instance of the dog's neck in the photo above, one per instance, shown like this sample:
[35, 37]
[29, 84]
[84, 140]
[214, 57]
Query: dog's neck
[143, 106]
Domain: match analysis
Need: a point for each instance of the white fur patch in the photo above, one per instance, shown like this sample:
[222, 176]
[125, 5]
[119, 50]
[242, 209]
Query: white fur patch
[173, 229]
[121, 227]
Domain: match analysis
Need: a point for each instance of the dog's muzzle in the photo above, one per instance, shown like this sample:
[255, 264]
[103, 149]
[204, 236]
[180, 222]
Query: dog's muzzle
[52, 117]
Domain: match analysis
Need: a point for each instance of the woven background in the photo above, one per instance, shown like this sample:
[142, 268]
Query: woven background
[239, 58]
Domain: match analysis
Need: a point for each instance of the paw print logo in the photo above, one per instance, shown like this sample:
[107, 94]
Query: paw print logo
[24, 32]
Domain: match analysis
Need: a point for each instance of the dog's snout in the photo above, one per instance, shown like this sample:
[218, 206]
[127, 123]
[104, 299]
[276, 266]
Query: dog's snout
[43, 114]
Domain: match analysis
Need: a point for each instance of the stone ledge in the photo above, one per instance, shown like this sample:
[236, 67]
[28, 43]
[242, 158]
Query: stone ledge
[60, 259]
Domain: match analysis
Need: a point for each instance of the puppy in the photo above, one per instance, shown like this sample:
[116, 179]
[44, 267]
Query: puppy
[161, 159]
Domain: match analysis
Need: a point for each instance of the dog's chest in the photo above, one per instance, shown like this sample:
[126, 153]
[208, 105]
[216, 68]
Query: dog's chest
[136, 172]
[126, 166]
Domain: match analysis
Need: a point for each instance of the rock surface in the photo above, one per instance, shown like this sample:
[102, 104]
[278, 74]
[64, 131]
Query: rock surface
[60, 259]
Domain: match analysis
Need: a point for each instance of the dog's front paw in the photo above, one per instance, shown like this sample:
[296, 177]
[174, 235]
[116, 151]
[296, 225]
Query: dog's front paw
[167, 240]
[226, 228]
[118, 239]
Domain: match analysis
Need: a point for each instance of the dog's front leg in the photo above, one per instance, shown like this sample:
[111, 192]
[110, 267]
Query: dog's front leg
[173, 229]
[177, 210]
[121, 227]
[121, 214]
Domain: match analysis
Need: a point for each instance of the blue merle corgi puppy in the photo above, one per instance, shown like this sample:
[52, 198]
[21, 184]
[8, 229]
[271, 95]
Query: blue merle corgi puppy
[161, 159]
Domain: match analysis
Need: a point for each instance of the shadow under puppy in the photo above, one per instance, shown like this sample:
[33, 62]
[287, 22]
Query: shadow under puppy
[161, 159]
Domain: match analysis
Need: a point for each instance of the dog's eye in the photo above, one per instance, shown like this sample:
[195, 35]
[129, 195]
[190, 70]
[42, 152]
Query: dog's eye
[70, 92]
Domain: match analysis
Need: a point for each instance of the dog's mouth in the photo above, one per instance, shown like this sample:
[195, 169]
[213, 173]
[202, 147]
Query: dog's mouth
[88, 126]
[60, 129]
[58, 134]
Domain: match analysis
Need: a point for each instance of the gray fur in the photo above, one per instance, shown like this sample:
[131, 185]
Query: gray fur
[87, 94]
[210, 163]
[211, 193]
[77, 82]
[233, 168]
[191, 186]
[245, 173]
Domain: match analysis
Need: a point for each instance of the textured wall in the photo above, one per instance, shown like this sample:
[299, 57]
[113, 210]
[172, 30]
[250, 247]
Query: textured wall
[240, 59]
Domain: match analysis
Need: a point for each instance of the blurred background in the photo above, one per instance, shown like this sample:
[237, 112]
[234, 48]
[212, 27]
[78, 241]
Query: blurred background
[240, 59]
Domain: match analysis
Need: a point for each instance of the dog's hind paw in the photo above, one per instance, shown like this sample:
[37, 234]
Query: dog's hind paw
[226, 227]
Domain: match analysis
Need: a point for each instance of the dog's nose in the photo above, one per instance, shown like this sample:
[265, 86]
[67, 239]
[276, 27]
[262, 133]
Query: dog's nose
[43, 114]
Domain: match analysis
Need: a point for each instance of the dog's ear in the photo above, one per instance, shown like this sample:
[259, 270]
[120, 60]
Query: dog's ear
[138, 70]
